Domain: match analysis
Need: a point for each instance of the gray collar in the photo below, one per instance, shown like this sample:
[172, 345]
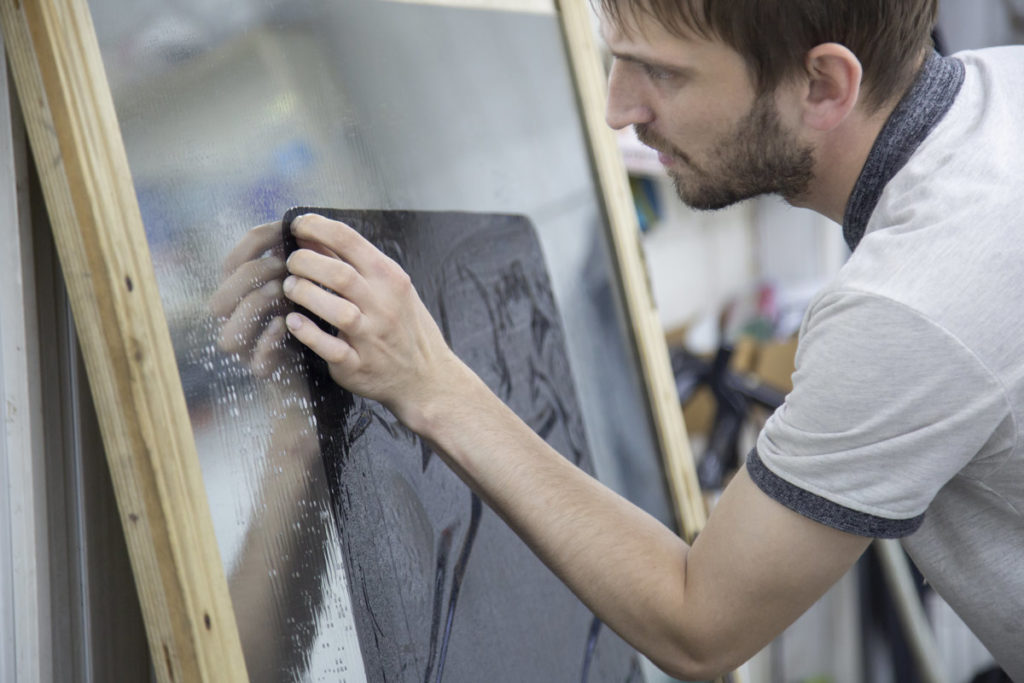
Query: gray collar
[911, 121]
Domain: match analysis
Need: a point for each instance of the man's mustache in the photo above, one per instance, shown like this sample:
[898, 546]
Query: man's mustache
[655, 141]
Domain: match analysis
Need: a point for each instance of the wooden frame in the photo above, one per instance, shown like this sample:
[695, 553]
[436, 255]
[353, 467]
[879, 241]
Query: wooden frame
[151, 453]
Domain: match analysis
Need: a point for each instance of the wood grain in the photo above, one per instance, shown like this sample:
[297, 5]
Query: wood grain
[98, 230]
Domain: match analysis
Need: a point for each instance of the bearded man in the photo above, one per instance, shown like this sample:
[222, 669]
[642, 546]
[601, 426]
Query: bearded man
[905, 420]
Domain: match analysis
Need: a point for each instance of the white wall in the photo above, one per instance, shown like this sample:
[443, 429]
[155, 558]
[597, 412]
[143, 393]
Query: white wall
[969, 24]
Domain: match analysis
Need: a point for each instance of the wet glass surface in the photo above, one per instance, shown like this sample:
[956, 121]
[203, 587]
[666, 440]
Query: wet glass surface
[234, 110]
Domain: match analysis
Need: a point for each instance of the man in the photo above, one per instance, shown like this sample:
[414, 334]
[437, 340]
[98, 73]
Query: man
[903, 421]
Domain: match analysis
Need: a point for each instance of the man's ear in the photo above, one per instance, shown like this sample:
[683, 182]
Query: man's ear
[833, 85]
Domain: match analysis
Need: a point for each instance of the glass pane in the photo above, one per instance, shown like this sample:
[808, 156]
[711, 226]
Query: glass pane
[232, 111]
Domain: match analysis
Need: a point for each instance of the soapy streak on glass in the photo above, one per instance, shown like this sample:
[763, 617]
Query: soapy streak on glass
[232, 110]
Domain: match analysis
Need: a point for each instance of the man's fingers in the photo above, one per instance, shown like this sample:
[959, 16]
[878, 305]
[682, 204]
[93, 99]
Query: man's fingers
[258, 240]
[315, 246]
[238, 333]
[249, 276]
[270, 352]
[332, 349]
[385, 334]
[340, 239]
[335, 310]
[334, 274]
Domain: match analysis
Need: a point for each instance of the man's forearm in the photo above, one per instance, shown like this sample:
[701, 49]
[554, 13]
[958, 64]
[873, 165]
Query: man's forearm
[621, 562]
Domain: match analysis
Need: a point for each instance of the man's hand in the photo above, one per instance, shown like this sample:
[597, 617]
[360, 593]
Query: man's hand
[388, 348]
[250, 300]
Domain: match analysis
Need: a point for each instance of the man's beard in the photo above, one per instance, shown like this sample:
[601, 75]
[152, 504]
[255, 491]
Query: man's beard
[758, 157]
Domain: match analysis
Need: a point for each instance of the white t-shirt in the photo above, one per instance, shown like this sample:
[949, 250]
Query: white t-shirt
[907, 410]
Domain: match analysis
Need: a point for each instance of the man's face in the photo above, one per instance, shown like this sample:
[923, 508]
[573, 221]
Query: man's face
[693, 101]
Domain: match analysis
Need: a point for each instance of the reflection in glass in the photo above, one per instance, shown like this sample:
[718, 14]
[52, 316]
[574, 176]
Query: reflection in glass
[234, 110]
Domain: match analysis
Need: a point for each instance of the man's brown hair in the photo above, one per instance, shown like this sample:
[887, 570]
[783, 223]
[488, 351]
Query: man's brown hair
[889, 37]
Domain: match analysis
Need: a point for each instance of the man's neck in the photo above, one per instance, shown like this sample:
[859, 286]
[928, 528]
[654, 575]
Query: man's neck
[839, 158]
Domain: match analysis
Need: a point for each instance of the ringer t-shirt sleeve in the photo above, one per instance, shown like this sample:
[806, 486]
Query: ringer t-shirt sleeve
[886, 408]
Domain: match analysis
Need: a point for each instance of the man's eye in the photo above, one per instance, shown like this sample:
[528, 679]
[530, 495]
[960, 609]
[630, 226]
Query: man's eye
[656, 73]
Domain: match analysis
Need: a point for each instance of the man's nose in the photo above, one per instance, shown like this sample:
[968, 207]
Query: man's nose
[625, 106]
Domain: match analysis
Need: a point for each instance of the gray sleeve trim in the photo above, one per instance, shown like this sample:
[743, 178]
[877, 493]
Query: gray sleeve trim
[825, 511]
